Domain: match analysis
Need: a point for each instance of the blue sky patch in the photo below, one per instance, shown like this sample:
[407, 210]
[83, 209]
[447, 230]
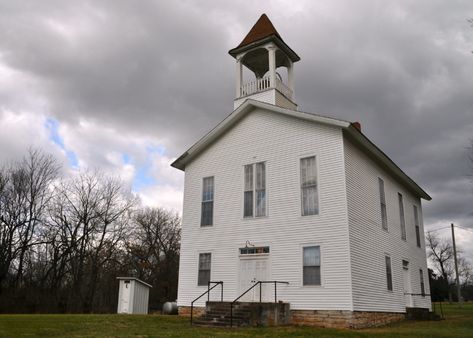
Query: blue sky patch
[52, 125]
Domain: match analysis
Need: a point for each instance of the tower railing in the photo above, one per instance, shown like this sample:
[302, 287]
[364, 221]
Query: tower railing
[260, 85]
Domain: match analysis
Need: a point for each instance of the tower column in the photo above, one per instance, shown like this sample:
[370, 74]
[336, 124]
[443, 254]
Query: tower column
[290, 78]
[238, 77]
[272, 65]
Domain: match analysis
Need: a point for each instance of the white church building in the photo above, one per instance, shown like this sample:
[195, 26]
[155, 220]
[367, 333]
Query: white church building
[274, 194]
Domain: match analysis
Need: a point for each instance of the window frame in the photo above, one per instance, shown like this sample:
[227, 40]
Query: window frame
[389, 272]
[383, 206]
[316, 185]
[255, 190]
[402, 216]
[303, 247]
[199, 269]
[417, 226]
[422, 283]
[206, 201]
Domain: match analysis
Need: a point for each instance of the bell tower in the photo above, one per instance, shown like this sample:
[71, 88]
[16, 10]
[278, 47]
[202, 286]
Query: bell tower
[263, 51]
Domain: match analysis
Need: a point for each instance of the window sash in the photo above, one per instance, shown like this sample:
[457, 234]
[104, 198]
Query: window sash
[204, 269]
[389, 277]
[382, 199]
[422, 285]
[206, 217]
[254, 196]
[401, 217]
[309, 194]
[417, 227]
[311, 266]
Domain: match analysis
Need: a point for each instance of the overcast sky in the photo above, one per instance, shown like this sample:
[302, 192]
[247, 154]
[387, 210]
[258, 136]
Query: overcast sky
[127, 86]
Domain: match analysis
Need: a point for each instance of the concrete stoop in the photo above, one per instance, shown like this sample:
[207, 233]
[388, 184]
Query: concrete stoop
[244, 314]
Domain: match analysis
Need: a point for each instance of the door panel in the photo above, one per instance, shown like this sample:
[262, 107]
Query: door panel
[251, 271]
[407, 284]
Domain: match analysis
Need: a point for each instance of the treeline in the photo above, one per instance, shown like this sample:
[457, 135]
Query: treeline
[64, 240]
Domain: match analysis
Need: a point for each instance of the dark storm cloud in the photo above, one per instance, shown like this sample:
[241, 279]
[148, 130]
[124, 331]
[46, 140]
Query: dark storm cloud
[401, 68]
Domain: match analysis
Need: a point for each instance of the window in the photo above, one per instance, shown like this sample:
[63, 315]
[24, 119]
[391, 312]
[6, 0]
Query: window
[401, 217]
[389, 276]
[310, 203]
[382, 198]
[254, 250]
[204, 268]
[254, 196]
[311, 262]
[416, 222]
[207, 201]
[422, 286]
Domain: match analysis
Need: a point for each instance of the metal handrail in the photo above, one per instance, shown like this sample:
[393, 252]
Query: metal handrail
[208, 295]
[250, 288]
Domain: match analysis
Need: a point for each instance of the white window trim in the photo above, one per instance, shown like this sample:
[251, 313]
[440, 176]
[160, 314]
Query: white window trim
[209, 226]
[317, 169]
[385, 275]
[301, 265]
[211, 252]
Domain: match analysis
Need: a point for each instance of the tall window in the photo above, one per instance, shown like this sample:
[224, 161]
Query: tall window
[401, 217]
[204, 268]
[382, 199]
[207, 201]
[422, 286]
[389, 276]
[416, 222]
[310, 203]
[311, 262]
[254, 198]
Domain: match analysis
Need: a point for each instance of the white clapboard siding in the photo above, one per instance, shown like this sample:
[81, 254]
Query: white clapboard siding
[369, 243]
[280, 141]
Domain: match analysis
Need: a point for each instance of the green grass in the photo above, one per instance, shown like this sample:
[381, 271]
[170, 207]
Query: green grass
[458, 323]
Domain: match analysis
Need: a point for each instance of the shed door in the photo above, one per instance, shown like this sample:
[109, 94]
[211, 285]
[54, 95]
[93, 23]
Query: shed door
[125, 299]
[251, 271]
[407, 283]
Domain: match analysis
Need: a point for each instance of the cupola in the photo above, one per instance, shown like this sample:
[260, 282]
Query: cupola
[262, 52]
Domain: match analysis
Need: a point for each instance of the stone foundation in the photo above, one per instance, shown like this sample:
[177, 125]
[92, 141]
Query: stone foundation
[343, 319]
[185, 311]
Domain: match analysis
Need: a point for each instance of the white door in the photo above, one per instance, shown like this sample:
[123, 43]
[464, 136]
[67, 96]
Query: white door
[253, 270]
[407, 284]
[125, 298]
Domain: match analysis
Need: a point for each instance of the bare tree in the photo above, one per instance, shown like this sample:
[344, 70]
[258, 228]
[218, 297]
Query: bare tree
[24, 195]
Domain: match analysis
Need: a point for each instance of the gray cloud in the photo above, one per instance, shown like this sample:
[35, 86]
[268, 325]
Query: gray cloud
[161, 69]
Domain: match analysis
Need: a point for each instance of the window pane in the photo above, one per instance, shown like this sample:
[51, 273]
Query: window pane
[248, 204]
[308, 171]
[260, 203]
[382, 197]
[422, 286]
[312, 256]
[208, 189]
[401, 216]
[204, 268]
[260, 176]
[309, 201]
[388, 273]
[309, 197]
[207, 213]
[248, 177]
[311, 275]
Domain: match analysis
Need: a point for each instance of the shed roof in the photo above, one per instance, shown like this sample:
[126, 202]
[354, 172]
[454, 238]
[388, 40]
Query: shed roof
[135, 279]
[349, 130]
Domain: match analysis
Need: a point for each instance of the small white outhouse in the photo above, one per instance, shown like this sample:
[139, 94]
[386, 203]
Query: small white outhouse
[133, 296]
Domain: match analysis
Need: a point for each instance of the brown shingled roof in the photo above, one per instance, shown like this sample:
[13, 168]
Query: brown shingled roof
[262, 29]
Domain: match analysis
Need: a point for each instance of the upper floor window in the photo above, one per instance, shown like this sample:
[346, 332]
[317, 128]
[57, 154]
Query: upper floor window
[207, 201]
[254, 196]
[205, 260]
[416, 222]
[309, 196]
[311, 265]
[382, 199]
[389, 275]
[401, 217]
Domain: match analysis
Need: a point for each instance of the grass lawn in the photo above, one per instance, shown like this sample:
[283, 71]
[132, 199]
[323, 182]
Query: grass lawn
[458, 323]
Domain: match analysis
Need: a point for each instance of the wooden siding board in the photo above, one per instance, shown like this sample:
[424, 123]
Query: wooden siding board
[369, 242]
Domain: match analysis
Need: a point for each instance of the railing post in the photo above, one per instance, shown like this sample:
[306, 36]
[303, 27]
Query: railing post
[192, 308]
[221, 291]
[231, 314]
[208, 292]
[275, 293]
[260, 291]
